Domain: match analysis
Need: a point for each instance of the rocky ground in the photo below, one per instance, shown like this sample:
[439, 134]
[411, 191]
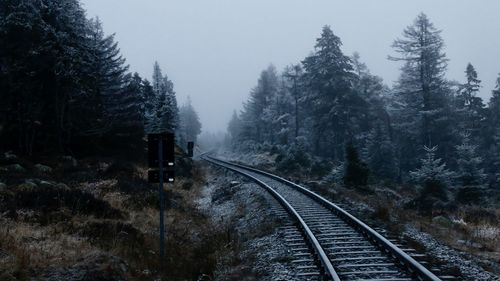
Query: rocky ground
[246, 210]
[469, 267]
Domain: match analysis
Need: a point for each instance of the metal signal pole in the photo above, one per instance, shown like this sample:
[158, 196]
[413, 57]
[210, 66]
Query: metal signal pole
[162, 201]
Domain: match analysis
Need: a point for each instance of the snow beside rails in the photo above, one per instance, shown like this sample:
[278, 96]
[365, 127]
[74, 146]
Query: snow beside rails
[246, 208]
[470, 269]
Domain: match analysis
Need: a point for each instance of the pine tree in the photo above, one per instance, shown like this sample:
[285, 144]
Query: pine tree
[422, 95]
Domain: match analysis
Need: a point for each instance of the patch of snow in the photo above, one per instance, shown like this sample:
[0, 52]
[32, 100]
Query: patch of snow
[486, 231]
[459, 221]
[469, 268]
[252, 159]
[249, 205]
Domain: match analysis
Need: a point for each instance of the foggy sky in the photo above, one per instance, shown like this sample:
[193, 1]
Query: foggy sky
[214, 50]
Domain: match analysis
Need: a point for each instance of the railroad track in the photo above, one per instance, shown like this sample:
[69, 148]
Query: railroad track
[330, 243]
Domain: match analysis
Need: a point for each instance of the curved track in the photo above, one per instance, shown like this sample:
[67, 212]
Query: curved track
[339, 245]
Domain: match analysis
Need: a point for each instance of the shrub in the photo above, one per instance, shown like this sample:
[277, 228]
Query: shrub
[293, 160]
[120, 169]
[320, 168]
[469, 194]
[356, 171]
[336, 174]
[49, 199]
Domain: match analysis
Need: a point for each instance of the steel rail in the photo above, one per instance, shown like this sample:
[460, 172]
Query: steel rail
[326, 265]
[416, 269]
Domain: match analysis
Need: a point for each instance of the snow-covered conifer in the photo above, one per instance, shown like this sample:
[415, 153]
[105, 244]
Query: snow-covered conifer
[422, 95]
[432, 175]
[189, 123]
[164, 114]
[469, 162]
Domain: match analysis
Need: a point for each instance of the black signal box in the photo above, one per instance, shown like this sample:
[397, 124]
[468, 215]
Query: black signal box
[168, 150]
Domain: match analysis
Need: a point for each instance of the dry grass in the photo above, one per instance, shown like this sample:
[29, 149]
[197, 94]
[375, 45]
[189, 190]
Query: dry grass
[74, 235]
[30, 246]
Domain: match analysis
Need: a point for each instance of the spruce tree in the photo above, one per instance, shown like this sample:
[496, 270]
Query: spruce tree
[329, 100]
[469, 172]
[109, 70]
[279, 115]
[234, 129]
[470, 107]
[45, 57]
[373, 119]
[148, 97]
[380, 153]
[470, 175]
[156, 101]
[255, 121]
[293, 81]
[163, 114]
[130, 105]
[432, 175]
[170, 118]
[189, 124]
[492, 136]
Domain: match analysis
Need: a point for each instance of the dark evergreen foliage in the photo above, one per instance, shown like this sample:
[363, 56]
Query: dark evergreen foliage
[46, 60]
[331, 102]
[356, 171]
[65, 86]
[189, 124]
[422, 95]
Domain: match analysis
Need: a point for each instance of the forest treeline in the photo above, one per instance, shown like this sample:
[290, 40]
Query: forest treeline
[66, 88]
[329, 116]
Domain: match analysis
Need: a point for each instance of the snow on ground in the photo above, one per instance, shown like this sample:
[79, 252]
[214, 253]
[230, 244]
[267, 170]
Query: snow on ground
[470, 269]
[257, 159]
[229, 198]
